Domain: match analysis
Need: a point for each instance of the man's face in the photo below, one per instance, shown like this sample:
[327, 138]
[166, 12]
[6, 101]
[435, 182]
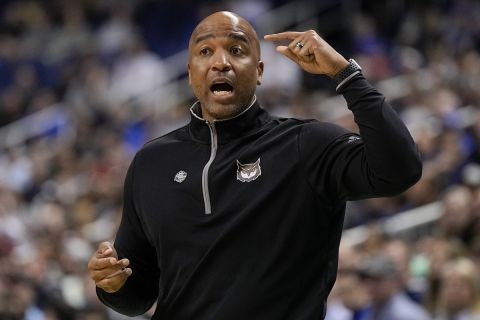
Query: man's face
[381, 289]
[224, 65]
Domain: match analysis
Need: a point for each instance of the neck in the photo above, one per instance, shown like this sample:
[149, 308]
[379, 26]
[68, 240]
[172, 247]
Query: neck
[210, 119]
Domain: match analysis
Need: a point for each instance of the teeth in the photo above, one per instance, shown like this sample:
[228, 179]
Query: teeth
[221, 93]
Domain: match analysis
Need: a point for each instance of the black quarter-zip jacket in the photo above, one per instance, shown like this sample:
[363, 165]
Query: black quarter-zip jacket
[242, 218]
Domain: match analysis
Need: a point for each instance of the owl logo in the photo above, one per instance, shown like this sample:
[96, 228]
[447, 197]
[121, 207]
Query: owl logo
[248, 172]
[180, 176]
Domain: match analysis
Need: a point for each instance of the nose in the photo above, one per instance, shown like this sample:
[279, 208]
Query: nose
[220, 61]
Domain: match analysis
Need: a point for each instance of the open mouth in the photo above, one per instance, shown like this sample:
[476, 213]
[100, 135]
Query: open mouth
[221, 89]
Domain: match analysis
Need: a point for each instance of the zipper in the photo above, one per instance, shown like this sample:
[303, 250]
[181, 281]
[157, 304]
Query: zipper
[213, 153]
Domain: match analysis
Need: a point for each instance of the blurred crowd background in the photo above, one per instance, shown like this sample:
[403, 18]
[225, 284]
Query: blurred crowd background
[83, 84]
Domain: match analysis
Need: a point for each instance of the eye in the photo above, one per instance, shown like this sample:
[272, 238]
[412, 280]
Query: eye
[236, 51]
[204, 51]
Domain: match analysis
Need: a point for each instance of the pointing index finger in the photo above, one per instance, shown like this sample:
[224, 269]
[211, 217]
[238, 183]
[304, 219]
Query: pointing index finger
[288, 35]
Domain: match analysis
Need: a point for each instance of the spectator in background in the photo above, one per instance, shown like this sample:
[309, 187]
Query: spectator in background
[349, 299]
[137, 75]
[457, 220]
[280, 83]
[459, 292]
[384, 284]
[70, 38]
[399, 252]
[116, 32]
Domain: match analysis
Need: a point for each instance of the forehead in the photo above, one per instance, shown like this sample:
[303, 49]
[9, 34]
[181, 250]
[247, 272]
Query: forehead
[222, 25]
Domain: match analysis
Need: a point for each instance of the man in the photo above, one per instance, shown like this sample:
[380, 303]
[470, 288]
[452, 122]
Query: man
[383, 281]
[238, 215]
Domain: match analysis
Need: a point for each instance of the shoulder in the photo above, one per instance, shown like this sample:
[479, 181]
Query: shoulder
[323, 129]
[167, 144]
[172, 137]
[311, 126]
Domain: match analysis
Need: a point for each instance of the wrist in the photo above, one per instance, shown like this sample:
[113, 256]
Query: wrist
[347, 73]
[339, 67]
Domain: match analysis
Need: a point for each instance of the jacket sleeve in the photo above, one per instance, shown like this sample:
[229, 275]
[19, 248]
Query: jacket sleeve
[141, 288]
[382, 161]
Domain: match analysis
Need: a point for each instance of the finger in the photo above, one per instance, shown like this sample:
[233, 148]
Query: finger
[288, 35]
[104, 249]
[115, 283]
[112, 275]
[119, 272]
[297, 44]
[98, 275]
[287, 52]
[102, 263]
[306, 53]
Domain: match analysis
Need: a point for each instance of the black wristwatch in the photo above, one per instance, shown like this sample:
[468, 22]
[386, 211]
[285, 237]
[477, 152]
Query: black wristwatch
[348, 73]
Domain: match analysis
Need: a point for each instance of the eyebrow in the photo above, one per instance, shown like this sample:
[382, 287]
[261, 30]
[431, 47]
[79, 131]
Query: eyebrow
[238, 36]
[233, 35]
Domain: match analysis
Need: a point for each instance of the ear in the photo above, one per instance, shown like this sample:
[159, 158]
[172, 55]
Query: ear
[189, 77]
[259, 72]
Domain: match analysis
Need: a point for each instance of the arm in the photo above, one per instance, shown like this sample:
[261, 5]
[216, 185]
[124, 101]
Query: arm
[383, 162]
[389, 162]
[138, 293]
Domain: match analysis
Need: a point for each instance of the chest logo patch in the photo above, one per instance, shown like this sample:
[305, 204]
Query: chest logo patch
[248, 172]
[180, 176]
[353, 139]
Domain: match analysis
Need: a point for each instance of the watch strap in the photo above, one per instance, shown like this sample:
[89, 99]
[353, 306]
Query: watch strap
[344, 76]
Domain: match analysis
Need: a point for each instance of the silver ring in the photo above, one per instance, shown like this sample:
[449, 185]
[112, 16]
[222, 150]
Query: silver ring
[299, 45]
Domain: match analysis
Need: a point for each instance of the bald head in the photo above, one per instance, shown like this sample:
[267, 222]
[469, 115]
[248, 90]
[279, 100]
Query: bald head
[224, 66]
[225, 20]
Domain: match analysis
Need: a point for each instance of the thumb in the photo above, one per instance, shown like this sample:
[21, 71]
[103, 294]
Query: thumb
[287, 53]
[106, 249]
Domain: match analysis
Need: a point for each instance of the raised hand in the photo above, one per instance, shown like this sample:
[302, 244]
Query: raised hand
[310, 52]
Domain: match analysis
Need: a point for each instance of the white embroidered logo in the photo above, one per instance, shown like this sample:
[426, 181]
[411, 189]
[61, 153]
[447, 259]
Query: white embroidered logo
[180, 176]
[353, 139]
[248, 172]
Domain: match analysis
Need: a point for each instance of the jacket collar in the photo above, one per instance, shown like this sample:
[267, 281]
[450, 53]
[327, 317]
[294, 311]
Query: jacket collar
[252, 118]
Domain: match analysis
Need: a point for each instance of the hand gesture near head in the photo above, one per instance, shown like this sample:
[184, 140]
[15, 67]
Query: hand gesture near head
[310, 52]
[109, 273]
